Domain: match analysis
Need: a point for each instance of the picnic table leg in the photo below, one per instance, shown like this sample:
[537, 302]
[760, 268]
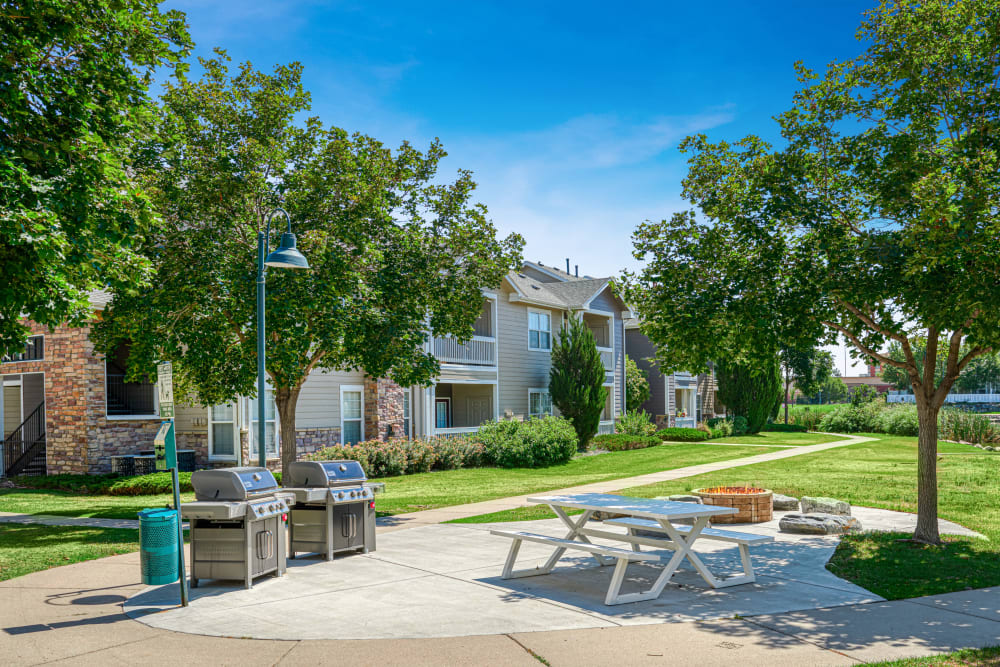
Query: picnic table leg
[574, 534]
[685, 545]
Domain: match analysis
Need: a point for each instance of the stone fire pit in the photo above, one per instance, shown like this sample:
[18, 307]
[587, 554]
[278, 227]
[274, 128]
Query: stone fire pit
[753, 504]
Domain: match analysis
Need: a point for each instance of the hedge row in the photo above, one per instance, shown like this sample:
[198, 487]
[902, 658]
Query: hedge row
[619, 442]
[682, 434]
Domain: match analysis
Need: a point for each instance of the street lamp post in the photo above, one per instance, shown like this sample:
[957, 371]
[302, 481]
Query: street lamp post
[285, 257]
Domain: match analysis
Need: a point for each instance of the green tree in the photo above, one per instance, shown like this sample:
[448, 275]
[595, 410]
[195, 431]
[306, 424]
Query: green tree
[636, 385]
[806, 368]
[576, 380]
[396, 253]
[750, 392]
[882, 206]
[74, 76]
[832, 391]
[981, 372]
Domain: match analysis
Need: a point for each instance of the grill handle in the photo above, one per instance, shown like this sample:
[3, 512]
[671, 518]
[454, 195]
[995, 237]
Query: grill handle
[265, 544]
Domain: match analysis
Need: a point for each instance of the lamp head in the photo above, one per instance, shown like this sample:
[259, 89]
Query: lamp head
[286, 256]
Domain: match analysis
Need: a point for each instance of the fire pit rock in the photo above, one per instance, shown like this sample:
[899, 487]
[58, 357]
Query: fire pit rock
[821, 505]
[818, 524]
[752, 504]
[785, 503]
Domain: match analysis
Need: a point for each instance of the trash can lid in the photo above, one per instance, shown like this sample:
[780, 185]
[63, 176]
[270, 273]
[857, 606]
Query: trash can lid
[157, 514]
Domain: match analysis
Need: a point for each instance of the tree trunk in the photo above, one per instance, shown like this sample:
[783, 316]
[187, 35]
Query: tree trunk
[285, 400]
[927, 492]
[787, 382]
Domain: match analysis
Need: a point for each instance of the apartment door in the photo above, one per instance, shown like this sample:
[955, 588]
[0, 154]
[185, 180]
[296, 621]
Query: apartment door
[480, 409]
[442, 413]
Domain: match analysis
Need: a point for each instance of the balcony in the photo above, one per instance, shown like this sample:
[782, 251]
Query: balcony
[480, 351]
[608, 357]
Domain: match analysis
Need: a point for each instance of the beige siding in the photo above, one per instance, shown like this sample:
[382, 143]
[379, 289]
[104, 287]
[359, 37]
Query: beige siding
[521, 369]
[191, 419]
[449, 374]
[606, 301]
[11, 408]
[319, 401]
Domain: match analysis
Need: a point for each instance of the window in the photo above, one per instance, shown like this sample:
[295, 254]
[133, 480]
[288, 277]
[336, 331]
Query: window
[352, 414]
[407, 414]
[539, 330]
[539, 402]
[126, 399]
[34, 350]
[270, 426]
[222, 432]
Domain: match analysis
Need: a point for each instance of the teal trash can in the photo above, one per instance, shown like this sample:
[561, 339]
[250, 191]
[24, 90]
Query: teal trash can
[158, 545]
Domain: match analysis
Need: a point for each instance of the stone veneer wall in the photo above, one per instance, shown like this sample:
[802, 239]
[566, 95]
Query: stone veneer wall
[79, 436]
[383, 409]
[307, 441]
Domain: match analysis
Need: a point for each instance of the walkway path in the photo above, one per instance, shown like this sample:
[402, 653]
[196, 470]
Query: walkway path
[443, 514]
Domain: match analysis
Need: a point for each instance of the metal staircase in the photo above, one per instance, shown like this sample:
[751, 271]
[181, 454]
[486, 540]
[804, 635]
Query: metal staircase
[24, 448]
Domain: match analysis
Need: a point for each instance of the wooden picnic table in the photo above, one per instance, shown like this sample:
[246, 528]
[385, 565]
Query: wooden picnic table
[640, 514]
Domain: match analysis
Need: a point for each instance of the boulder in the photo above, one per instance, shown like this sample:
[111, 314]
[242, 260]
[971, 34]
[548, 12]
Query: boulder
[818, 524]
[811, 505]
[785, 503]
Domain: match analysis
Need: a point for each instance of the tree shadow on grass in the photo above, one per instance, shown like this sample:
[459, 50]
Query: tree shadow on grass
[894, 567]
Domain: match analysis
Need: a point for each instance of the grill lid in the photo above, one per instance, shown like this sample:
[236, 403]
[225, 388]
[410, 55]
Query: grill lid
[323, 473]
[232, 483]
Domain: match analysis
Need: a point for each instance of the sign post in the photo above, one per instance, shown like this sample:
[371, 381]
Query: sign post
[165, 446]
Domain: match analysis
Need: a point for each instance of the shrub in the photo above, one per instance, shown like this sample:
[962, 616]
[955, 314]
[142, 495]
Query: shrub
[635, 422]
[809, 418]
[720, 427]
[899, 420]
[618, 442]
[740, 425]
[682, 435]
[862, 418]
[406, 457]
[785, 428]
[967, 427]
[108, 485]
[535, 443]
[863, 394]
[453, 453]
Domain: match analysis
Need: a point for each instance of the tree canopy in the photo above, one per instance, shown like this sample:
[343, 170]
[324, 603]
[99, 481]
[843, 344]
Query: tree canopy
[396, 253]
[74, 76]
[877, 218]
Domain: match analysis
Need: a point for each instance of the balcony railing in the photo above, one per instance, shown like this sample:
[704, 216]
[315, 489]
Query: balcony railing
[130, 398]
[606, 427]
[480, 351]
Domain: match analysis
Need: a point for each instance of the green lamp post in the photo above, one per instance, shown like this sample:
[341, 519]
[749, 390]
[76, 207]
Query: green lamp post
[285, 257]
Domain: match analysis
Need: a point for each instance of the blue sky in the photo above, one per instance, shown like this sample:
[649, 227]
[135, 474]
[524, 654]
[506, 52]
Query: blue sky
[569, 114]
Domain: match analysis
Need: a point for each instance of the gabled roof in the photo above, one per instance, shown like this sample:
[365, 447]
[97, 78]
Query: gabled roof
[558, 274]
[575, 294]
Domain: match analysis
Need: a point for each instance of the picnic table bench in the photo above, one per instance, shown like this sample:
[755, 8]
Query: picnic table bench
[639, 514]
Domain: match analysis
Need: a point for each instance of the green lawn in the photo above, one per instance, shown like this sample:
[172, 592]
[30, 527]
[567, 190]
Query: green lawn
[410, 493]
[774, 438]
[970, 657]
[882, 473]
[30, 548]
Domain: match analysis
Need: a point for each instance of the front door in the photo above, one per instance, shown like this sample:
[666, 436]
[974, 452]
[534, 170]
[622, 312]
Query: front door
[480, 410]
[442, 413]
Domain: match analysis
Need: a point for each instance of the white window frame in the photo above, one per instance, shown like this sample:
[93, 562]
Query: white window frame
[408, 413]
[539, 414]
[451, 414]
[252, 435]
[236, 435]
[344, 388]
[547, 314]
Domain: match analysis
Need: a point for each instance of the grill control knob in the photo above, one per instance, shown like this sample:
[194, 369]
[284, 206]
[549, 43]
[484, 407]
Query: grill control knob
[340, 495]
[343, 468]
[352, 494]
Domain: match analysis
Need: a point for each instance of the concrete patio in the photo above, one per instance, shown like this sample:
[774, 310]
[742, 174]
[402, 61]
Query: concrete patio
[443, 581]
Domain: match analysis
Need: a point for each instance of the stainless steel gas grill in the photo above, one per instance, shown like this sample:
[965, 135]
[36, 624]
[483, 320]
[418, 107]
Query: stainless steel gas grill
[334, 509]
[237, 524]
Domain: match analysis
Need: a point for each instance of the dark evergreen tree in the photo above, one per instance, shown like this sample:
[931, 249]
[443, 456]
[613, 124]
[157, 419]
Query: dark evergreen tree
[749, 391]
[576, 380]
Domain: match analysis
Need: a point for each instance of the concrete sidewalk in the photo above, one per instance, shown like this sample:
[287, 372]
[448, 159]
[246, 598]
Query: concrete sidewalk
[443, 514]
